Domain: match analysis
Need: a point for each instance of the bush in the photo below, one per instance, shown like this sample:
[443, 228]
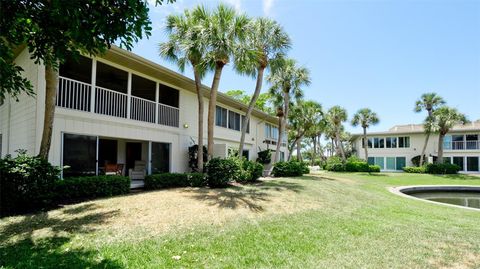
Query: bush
[222, 171]
[26, 183]
[335, 164]
[264, 156]
[442, 168]
[251, 171]
[166, 180]
[197, 179]
[288, 169]
[414, 169]
[416, 160]
[374, 169]
[75, 188]
[353, 164]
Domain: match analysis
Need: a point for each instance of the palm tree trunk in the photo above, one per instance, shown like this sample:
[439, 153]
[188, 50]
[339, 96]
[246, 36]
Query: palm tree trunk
[51, 79]
[314, 156]
[365, 143]
[299, 149]
[332, 147]
[277, 149]
[251, 105]
[290, 150]
[198, 86]
[211, 106]
[440, 148]
[340, 146]
[422, 156]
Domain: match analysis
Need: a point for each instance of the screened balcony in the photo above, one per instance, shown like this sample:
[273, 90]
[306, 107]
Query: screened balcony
[92, 86]
[461, 142]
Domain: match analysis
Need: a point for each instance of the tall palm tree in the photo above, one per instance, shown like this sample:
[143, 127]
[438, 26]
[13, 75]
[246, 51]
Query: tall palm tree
[186, 45]
[444, 119]
[337, 115]
[286, 79]
[428, 102]
[315, 134]
[365, 117]
[224, 30]
[268, 41]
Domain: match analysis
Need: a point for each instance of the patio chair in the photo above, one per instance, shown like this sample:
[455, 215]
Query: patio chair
[114, 169]
[138, 171]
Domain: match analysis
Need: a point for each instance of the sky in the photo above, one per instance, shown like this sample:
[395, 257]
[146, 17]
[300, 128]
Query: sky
[380, 54]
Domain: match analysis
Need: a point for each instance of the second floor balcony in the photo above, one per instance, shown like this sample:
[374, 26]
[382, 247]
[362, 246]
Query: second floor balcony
[462, 145]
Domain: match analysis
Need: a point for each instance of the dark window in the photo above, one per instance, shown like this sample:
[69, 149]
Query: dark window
[245, 154]
[107, 152]
[78, 69]
[221, 117]
[472, 164]
[168, 96]
[233, 120]
[401, 163]
[472, 141]
[378, 142]
[370, 143]
[458, 161]
[143, 88]
[404, 142]
[160, 158]
[111, 78]
[371, 160]
[391, 142]
[80, 154]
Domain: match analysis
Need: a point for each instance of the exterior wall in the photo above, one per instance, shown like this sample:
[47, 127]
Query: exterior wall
[26, 124]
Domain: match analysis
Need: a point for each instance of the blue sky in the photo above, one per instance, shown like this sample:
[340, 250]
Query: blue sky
[377, 54]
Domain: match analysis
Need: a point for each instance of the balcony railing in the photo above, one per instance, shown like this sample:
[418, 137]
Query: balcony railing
[462, 145]
[77, 95]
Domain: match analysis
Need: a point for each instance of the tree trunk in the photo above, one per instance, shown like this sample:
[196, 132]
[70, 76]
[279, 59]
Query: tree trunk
[251, 105]
[314, 156]
[365, 143]
[198, 87]
[340, 146]
[427, 137]
[299, 149]
[277, 148]
[51, 79]
[440, 148]
[212, 105]
[332, 147]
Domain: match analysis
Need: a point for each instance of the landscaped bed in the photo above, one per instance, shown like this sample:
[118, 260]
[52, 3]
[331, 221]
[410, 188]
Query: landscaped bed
[322, 220]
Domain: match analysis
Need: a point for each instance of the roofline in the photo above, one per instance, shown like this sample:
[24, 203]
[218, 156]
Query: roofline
[222, 97]
[386, 133]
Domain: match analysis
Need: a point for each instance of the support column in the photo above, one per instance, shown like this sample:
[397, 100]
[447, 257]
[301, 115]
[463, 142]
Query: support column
[129, 94]
[149, 162]
[93, 83]
[157, 96]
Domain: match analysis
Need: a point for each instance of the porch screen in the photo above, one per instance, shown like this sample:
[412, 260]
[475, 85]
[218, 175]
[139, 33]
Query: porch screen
[160, 158]
[80, 154]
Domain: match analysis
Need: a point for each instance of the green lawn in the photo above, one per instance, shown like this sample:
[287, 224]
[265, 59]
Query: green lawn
[324, 220]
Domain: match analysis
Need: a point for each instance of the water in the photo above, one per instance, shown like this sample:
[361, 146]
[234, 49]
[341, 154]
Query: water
[461, 198]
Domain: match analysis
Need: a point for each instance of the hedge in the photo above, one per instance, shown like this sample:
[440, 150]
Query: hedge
[442, 168]
[74, 188]
[414, 169]
[172, 180]
[222, 171]
[289, 169]
[353, 164]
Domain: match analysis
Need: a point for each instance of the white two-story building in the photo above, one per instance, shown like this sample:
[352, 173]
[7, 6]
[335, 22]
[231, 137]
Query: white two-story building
[395, 148]
[121, 108]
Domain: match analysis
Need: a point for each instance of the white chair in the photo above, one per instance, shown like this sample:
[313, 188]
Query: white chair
[138, 171]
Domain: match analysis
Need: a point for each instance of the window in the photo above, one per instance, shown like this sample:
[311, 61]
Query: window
[111, 78]
[472, 164]
[391, 163]
[471, 142]
[248, 124]
[80, 154]
[221, 117]
[160, 158]
[380, 162]
[391, 142]
[143, 88]
[447, 142]
[271, 131]
[233, 120]
[404, 142]
[378, 142]
[371, 160]
[370, 143]
[458, 161]
[78, 69]
[457, 142]
[168, 96]
[282, 156]
[246, 154]
[401, 163]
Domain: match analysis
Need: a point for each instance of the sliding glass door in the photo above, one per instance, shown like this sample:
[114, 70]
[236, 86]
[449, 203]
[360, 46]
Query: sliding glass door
[79, 155]
[160, 159]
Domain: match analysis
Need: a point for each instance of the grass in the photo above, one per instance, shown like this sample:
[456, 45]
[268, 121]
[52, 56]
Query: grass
[323, 220]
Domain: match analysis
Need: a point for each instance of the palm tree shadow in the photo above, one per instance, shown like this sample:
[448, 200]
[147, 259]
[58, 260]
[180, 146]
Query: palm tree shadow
[52, 251]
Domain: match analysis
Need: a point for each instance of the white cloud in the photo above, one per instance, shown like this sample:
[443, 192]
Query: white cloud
[237, 4]
[267, 7]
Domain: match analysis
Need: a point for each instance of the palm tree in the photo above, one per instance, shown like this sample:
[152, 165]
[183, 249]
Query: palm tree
[185, 46]
[365, 117]
[224, 31]
[444, 119]
[336, 116]
[268, 41]
[286, 79]
[315, 134]
[428, 102]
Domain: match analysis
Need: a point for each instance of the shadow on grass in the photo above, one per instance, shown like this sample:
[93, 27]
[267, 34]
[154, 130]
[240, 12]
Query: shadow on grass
[52, 250]
[459, 176]
[240, 196]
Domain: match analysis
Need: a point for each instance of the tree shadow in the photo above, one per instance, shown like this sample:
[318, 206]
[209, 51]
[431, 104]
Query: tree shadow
[52, 251]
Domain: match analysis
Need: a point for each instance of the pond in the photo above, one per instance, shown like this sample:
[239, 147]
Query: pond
[465, 196]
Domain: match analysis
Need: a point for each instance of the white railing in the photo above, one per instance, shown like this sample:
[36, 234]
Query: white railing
[142, 109]
[111, 103]
[168, 115]
[464, 145]
[73, 94]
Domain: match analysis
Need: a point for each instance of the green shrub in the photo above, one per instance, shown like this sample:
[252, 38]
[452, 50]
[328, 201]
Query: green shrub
[197, 179]
[335, 164]
[374, 169]
[288, 169]
[264, 156]
[166, 180]
[222, 171]
[75, 188]
[442, 168]
[357, 166]
[251, 171]
[26, 183]
[414, 169]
